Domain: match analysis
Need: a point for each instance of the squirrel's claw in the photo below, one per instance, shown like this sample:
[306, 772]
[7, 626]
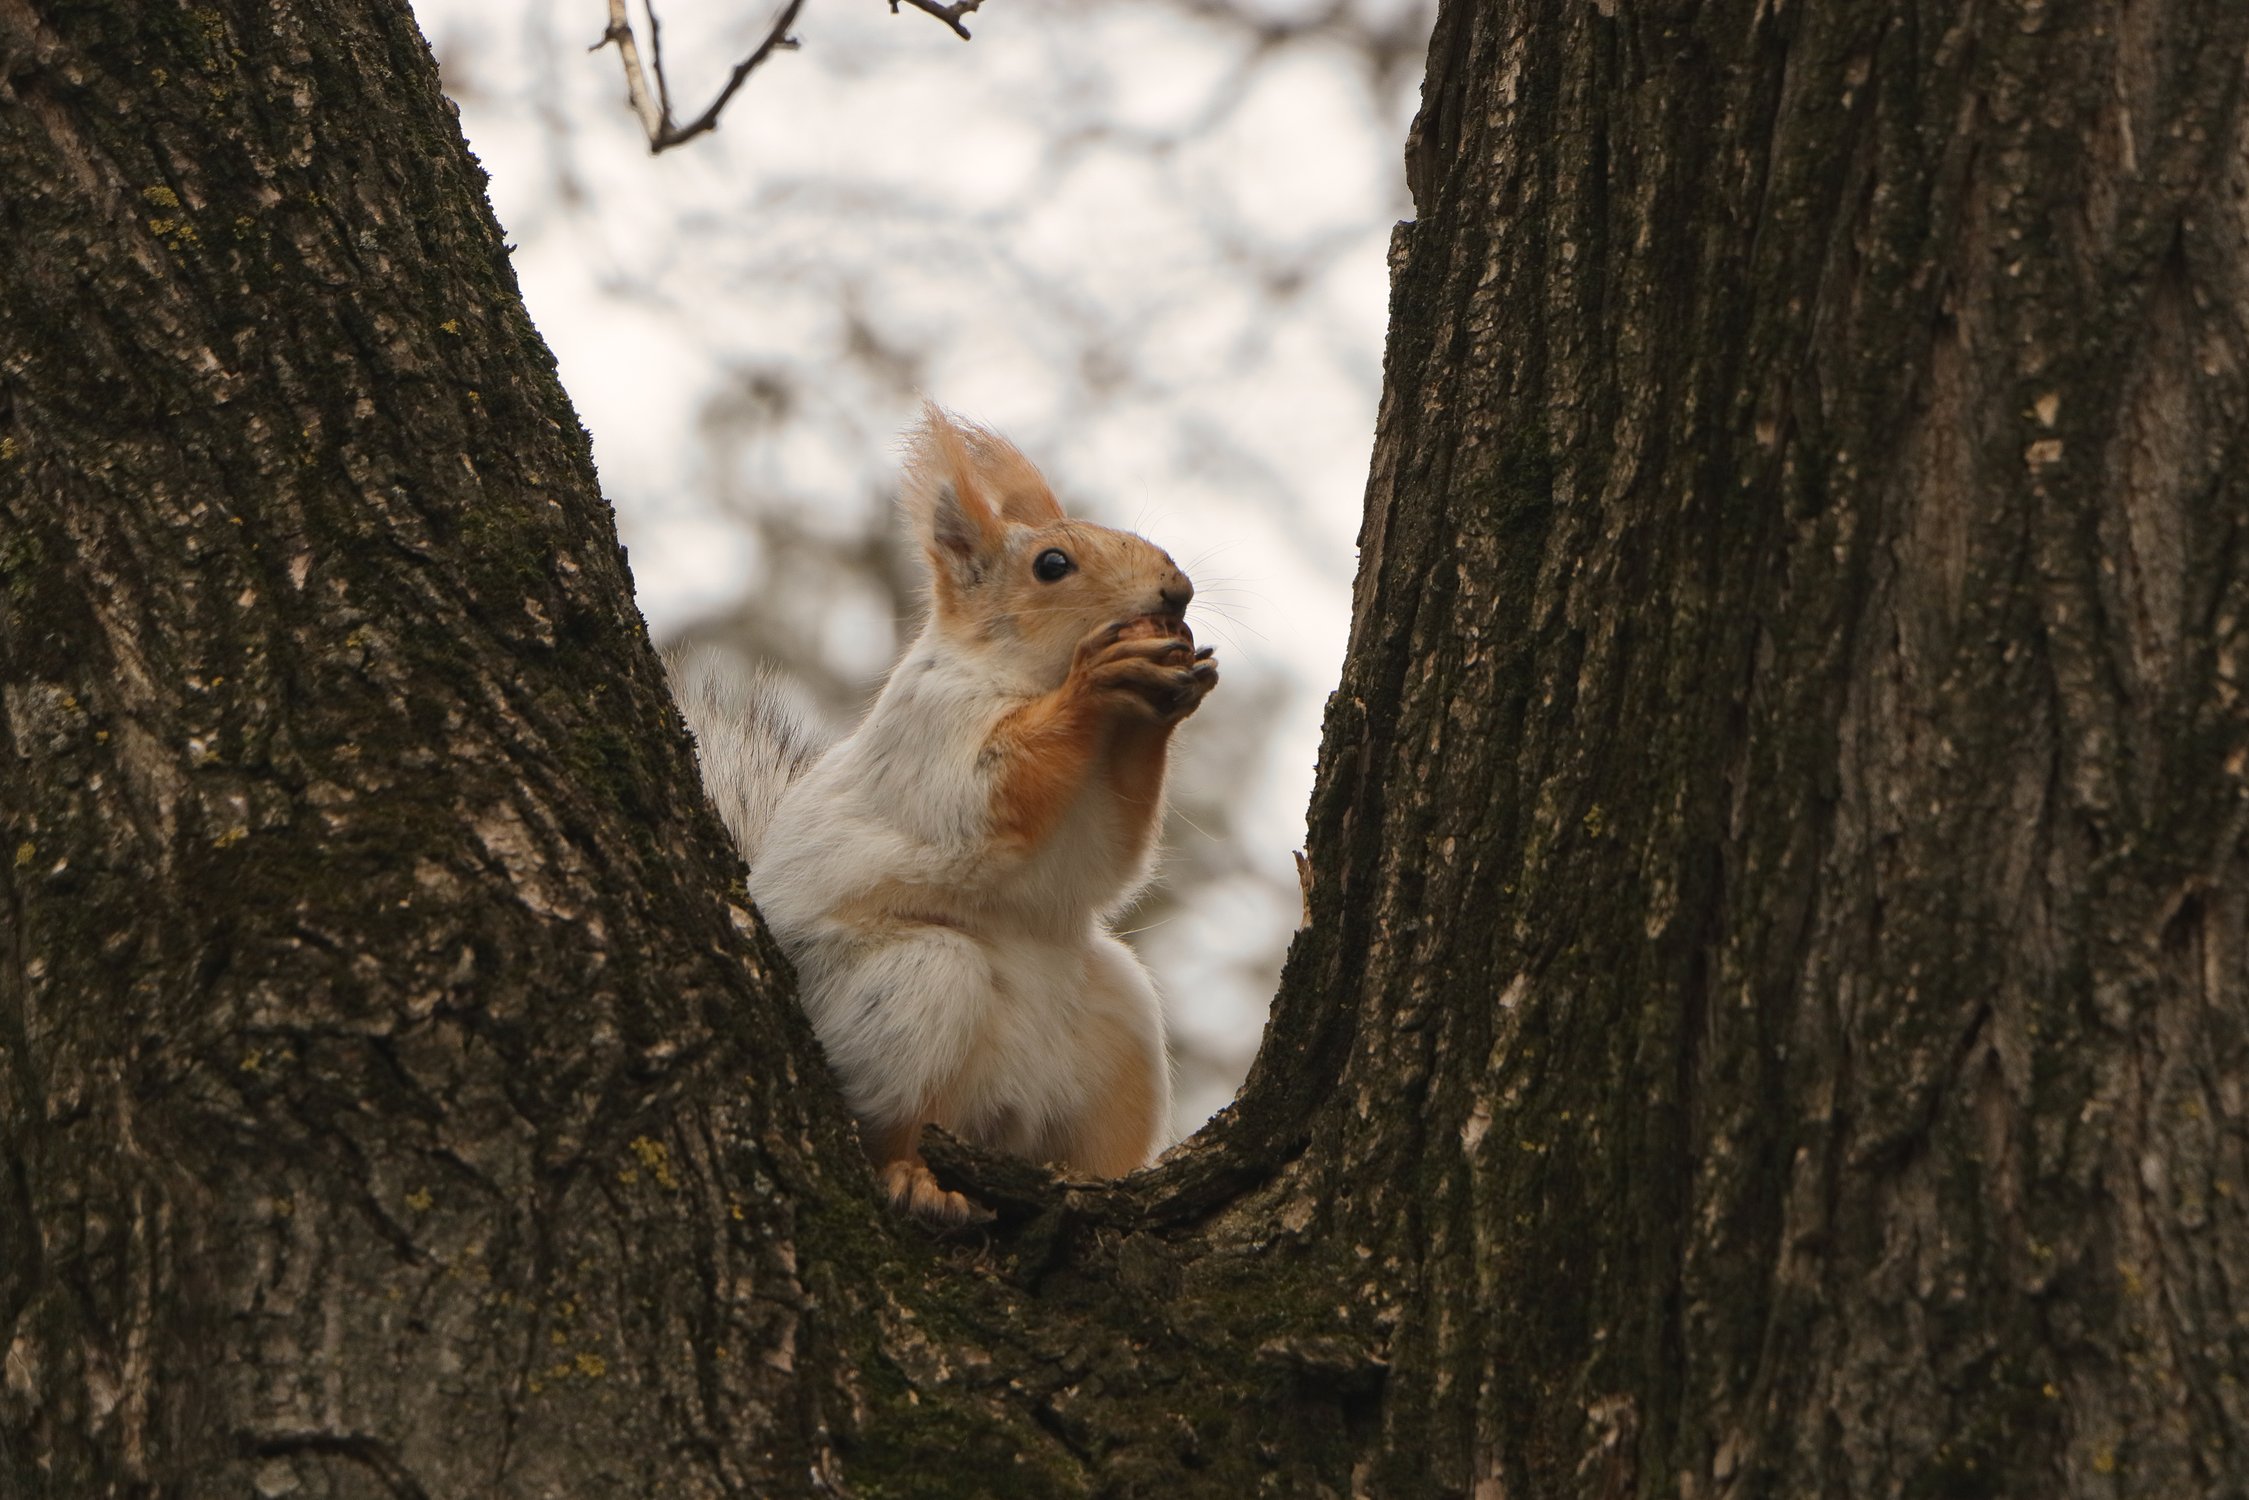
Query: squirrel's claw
[913, 1188]
[1137, 663]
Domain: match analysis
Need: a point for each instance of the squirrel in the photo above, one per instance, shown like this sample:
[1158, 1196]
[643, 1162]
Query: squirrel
[943, 876]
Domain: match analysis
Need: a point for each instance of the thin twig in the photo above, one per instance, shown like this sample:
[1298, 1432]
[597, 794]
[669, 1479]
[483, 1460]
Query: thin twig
[655, 109]
[636, 82]
[949, 14]
[656, 51]
[776, 40]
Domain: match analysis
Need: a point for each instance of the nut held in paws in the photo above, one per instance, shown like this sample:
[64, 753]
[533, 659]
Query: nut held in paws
[1149, 627]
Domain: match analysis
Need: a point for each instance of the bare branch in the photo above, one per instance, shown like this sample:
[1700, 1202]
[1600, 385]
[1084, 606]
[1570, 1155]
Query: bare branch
[949, 14]
[655, 108]
[636, 82]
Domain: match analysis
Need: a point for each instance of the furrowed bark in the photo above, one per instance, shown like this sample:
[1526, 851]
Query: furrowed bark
[379, 999]
[1785, 797]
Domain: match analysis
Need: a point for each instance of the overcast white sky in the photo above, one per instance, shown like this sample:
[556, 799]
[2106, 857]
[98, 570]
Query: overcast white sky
[1145, 247]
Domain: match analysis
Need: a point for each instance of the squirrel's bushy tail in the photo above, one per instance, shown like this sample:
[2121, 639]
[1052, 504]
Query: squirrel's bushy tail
[754, 734]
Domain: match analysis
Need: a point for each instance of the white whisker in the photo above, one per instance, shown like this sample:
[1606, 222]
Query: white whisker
[1175, 810]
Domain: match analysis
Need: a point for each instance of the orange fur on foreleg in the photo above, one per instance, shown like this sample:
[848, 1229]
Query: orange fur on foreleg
[1129, 684]
[1041, 754]
[1135, 774]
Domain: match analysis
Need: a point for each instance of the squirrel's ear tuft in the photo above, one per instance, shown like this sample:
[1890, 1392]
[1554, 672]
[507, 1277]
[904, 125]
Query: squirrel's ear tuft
[990, 481]
[944, 501]
[1011, 483]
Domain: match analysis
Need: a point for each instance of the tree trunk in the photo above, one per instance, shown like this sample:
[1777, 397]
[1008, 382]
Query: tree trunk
[1773, 1015]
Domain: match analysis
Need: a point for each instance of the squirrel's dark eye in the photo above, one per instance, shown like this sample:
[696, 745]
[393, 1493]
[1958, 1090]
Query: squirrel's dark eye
[1052, 565]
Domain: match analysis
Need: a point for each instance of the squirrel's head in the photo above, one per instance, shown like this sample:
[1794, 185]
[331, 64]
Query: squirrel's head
[1008, 570]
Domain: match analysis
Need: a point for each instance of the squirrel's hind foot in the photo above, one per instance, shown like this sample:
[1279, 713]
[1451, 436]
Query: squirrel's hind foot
[912, 1188]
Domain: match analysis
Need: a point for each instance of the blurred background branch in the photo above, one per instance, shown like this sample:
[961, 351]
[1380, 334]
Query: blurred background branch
[653, 103]
[949, 14]
[655, 108]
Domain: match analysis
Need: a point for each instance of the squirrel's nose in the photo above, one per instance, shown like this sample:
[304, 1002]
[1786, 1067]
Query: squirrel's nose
[1176, 592]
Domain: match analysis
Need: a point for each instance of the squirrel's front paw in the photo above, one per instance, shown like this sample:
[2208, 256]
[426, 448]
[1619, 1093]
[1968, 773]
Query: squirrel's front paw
[1148, 665]
[912, 1188]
